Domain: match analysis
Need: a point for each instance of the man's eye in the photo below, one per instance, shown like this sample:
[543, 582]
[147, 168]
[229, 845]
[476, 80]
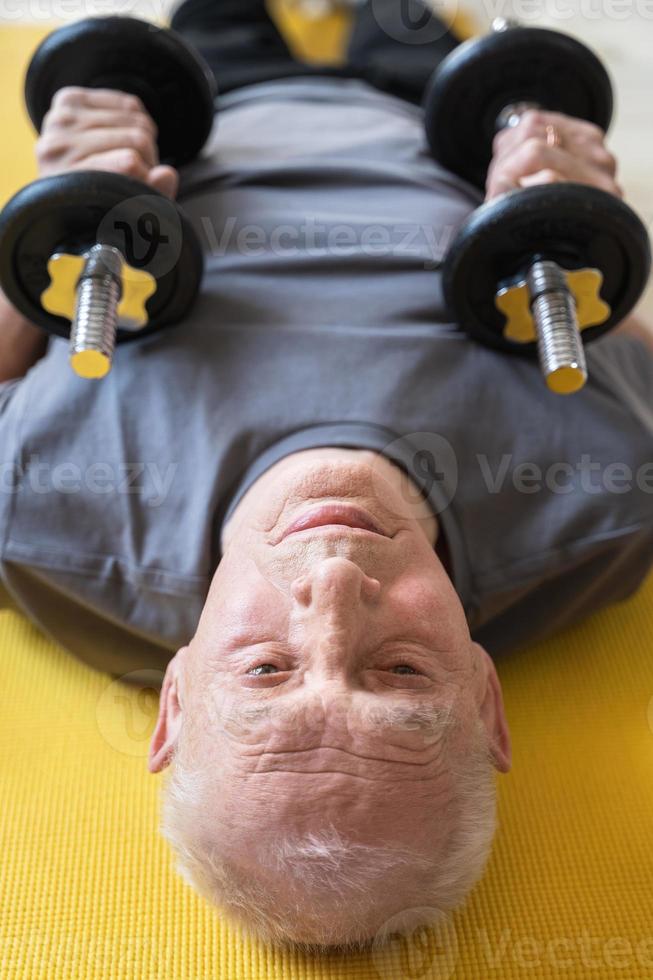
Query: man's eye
[263, 669]
[403, 669]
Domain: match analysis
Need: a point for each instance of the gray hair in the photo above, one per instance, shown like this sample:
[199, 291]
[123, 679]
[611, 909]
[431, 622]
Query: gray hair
[348, 876]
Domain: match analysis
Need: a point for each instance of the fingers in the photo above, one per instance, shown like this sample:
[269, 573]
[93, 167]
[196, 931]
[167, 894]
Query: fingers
[103, 129]
[523, 156]
[126, 162]
[74, 97]
[535, 156]
[54, 147]
[586, 147]
[130, 164]
[165, 180]
[69, 120]
[576, 133]
[75, 109]
[78, 115]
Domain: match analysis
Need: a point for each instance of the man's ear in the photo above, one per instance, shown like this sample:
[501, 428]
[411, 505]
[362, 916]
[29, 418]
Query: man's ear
[168, 723]
[492, 712]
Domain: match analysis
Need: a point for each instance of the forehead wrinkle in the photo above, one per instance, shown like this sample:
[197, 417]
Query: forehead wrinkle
[346, 775]
[321, 789]
[243, 803]
[348, 752]
[364, 805]
[321, 760]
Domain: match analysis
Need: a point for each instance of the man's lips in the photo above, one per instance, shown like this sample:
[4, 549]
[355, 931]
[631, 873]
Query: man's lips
[328, 515]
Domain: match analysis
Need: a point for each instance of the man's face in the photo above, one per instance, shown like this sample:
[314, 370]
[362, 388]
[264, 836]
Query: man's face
[332, 680]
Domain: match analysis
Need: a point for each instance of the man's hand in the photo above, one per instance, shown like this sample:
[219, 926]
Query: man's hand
[523, 155]
[99, 129]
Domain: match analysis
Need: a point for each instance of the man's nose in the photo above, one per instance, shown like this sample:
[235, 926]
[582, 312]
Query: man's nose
[335, 584]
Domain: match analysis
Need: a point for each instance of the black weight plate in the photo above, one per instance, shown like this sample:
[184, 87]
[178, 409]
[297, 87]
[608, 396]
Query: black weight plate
[575, 225]
[473, 84]
[172, 80]
[71, 213]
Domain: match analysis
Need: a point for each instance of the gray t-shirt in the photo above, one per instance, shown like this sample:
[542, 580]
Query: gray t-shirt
[321, 322]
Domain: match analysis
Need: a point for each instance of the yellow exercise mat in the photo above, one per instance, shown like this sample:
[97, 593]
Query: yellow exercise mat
[87, 889]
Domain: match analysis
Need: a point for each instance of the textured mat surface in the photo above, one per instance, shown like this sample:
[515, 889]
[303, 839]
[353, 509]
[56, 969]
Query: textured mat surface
[87, 890]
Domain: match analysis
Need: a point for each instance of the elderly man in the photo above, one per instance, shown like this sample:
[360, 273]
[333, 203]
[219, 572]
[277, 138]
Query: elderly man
[317, 490]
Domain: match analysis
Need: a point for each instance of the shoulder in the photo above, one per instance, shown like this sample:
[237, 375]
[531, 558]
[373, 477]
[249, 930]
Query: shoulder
[555, 495]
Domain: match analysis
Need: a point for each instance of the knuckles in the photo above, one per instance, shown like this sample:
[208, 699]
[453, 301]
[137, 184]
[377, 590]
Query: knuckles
[549, 176]
[75, 96]
[593, 132]
[51, 158]
[533, 153]
[533, 123]
[69, 95]
[52, 145]
[132, 103]
[612, 187]
[128, 162]
[141, 141]
[607, 160]
[49, 149]
[59, 117]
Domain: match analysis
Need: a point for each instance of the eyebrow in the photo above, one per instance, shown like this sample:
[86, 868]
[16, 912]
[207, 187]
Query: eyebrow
[433, 720]
[438, 721]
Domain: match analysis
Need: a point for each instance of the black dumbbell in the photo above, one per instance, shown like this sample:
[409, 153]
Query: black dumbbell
[93, 256]
[531, 269]
[171, 79]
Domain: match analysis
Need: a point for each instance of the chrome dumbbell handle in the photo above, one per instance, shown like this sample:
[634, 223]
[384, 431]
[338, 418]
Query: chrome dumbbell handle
[93, 329]
[559, 343]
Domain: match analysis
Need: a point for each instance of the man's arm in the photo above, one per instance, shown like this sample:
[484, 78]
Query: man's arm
[21, 343]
